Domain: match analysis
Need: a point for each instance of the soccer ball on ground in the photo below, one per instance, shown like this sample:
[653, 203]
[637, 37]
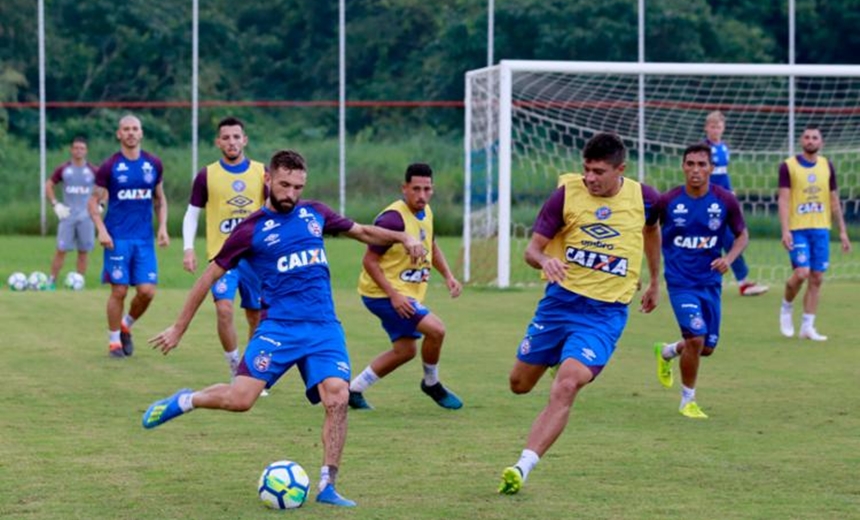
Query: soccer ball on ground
[17, 281]
[283, 485]
[74, 281]
[38, 281]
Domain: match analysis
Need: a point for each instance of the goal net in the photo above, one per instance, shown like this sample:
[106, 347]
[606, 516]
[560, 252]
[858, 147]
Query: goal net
[526, 123]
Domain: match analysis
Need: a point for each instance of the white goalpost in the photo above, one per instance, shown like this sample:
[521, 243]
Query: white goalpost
[526, 123]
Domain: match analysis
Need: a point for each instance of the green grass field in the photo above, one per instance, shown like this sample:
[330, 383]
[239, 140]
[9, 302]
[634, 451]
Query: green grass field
[782, 440]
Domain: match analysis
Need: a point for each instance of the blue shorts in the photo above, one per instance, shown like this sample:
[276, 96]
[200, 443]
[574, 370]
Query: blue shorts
[396, 326]
[243, 278]
[569, 325]
[318, 348]
[130, 262]
[697, 312]
[811, 249]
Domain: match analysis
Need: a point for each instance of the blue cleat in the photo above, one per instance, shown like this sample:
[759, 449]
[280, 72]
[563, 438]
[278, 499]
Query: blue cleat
[164, 410]
[442, 396]
[358, 402]
[329, 495]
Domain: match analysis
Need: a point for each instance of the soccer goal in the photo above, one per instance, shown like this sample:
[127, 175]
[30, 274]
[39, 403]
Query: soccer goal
[527, 121]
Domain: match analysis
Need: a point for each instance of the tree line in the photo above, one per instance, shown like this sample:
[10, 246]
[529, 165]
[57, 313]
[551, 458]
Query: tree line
[136, 50]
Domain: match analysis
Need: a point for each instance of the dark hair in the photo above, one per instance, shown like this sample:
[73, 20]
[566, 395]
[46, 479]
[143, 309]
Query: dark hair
[812, 126]
[607, 147]
[418, 170]
[231, 121]
[79, 139]
[697, 148]
[287, 160]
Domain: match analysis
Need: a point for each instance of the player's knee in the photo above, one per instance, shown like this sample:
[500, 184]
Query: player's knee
[224, 310]
[707, 351]
[118, 291]
[146, 292]
[520, 385]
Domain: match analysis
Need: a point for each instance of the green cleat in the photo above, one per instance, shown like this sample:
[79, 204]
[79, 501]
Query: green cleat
[512, 481]
[692, 411]
[664, 367]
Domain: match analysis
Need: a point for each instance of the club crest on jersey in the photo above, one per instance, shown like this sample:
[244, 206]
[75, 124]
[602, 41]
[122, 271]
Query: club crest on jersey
[238, 185]
[614, 265]
[603, 213]
[811, 178]
[262, 362]
[116, 274]
[148, 176]
[314, 227]
[695, 242]
[221, 287]
[714, 223]
[697, 323]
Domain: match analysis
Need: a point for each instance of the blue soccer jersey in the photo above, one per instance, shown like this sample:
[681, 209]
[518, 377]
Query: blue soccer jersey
[693, 232]
[720, 157]
[131, 187]
[286, 251]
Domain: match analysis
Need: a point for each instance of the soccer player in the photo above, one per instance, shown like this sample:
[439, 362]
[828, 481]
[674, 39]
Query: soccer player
[229, 189]
[715, 125]
[588, 240]
[808, 196]
[393, 289]
[283, 244]
[75, 229]
[694, 218]
[131, 181]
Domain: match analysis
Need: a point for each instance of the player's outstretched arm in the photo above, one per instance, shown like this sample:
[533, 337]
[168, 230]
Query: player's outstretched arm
[652, 242]
[384, 237]
[441, 265]
[169, 338]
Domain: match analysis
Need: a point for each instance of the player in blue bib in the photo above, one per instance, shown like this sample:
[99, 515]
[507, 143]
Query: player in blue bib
[694, 219]
[283, 245]
[715, 125]
[131, 181]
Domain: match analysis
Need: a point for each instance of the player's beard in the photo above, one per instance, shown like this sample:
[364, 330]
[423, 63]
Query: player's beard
[284, 205]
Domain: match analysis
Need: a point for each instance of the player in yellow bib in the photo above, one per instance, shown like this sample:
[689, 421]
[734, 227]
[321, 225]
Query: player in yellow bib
[392, 287]
[229, 190]
[588, 241]
[808, 196]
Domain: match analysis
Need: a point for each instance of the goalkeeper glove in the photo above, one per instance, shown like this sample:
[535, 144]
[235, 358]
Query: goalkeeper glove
[62, 210]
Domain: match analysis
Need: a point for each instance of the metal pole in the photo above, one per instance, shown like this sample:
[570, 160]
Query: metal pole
[640, 160]
[791, 84]
[491, 24]
[195, 66]
[341, 102]
[42, 119]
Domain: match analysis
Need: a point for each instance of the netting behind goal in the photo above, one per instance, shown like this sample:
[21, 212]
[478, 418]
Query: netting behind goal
[553, 112]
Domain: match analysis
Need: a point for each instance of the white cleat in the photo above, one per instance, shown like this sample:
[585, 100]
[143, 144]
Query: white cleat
[786, 324]
[811, 333]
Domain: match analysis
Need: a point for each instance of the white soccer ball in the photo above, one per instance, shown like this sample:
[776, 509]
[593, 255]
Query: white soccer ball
[38, 281]
[74, 281]
[17, 281]
[283, 485]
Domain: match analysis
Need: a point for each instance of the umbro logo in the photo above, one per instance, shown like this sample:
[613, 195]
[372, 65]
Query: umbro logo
[240, 201]
[600, 231]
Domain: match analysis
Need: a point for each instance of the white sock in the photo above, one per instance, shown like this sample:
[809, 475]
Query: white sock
[128, 321]
[186, 401]
[328, 474]
[364, 380]
[787, 306]
[232, 358]
[113, 336]
[687, 395]
[528, 460]
[670, 350]
[808, 321]
[431, 374]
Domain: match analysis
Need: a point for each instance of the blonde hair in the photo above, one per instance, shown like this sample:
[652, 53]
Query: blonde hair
[717, 116]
